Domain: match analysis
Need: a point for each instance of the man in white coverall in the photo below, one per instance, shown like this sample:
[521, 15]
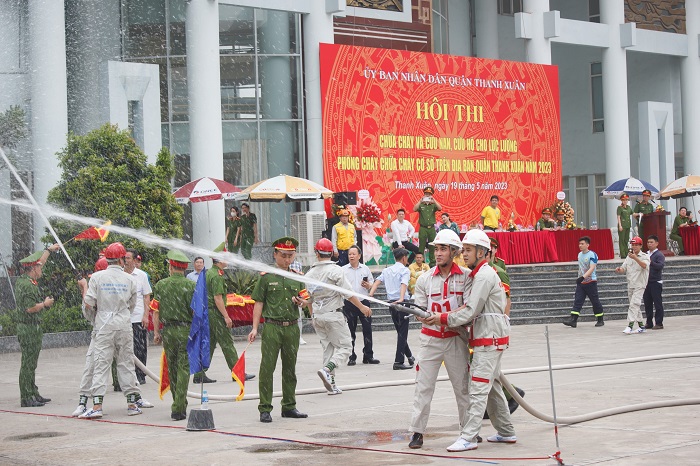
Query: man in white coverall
[440, 290]
[636, 266]
[113, 293]
[484, 307]
[327, 313]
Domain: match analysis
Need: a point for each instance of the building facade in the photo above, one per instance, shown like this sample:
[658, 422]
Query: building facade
[232, 86]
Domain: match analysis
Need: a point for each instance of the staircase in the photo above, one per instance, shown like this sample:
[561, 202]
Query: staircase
[544, 293]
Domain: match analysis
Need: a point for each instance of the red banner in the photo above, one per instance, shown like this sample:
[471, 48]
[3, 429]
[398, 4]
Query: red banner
[395, 121]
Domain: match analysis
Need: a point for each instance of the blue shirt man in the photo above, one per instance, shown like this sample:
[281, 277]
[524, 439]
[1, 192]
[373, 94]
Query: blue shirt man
[586, 284]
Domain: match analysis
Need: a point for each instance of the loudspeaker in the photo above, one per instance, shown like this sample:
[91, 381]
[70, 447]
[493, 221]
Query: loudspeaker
[345, 198]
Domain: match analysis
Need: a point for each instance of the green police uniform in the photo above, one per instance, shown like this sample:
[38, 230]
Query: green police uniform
[280, 339]
[626, 223]
[426, 231]
[248, 234]
[675, 234]
[233, 226]
[218, 332]
[29, 333]
[174, 295]
[643, 208]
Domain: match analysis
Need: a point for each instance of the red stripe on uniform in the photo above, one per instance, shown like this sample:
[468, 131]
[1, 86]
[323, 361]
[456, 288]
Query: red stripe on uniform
[479, 379]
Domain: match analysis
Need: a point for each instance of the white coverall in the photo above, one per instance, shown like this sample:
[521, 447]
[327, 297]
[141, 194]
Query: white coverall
[637, 278]
[114, 294]
[327, 312]
[439, 343]
[485, 305]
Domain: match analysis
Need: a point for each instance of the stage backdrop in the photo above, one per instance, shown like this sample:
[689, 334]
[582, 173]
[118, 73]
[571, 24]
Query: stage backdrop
[395, 121]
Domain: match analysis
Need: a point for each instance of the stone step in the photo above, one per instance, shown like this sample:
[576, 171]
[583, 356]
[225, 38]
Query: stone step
[609, 300]
[558, 318]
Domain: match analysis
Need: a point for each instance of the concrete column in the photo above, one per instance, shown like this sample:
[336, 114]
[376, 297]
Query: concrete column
[486, 12]
[204, 99]
[537, 49]
[690, 93]
[459, 28]
[318, 28]
[48, 93]
[276, 85]
[615, 113]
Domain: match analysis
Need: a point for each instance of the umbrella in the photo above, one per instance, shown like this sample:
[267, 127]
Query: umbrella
[205, 189]
[632, 186]
[283, 187]
[682, 187]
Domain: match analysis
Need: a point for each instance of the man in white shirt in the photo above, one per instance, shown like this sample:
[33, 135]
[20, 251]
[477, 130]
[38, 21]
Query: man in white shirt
[360, 278]
[139, 318]
[395, 279]
[198, 267]
[636, 266]
[403, 233]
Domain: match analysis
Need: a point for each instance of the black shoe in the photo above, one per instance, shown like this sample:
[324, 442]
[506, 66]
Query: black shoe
[265, 417]
[249, 376]
[31, 403]
[599, 323]
[370, 361]
[401, 366]
[658, 327]
[203, 379]
[411, 360]
[571, 322]
[178, 416]
[41, 399]
[416, 441]
[352, 362]
[479, 439]
[294, 414]
[512, 404]
[649, 326]
[117, 388]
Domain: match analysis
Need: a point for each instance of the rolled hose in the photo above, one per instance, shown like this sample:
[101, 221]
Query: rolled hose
[567, 420]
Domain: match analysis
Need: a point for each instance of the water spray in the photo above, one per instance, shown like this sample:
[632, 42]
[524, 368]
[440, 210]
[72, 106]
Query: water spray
[36, 207]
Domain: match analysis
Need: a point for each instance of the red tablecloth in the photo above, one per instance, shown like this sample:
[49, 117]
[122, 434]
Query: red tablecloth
[567, 243]
[532, 247]
[241, 315]
[691, 240]
[526, 247]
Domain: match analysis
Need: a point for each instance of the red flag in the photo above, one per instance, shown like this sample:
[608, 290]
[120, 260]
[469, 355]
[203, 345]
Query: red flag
[99, 233]
[238, 374]
[164, 377]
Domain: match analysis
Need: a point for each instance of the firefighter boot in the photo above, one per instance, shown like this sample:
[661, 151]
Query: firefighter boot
[571, 321]
[599, 322]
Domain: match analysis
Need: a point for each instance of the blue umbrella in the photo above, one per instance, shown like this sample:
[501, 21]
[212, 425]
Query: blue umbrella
[632, 186]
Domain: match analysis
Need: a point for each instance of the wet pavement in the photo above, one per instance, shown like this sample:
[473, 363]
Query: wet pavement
[368, 426]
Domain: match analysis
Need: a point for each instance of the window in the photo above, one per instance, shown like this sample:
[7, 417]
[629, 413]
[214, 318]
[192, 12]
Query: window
[510, 7]
[581, 202]
[600, 203]
[597, 97]
[440, 27]
[594, 11]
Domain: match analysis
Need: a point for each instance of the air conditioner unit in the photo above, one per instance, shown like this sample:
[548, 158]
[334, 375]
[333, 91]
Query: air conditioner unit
[307, 228]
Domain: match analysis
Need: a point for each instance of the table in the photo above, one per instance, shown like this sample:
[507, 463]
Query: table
[240, 309]
[525, 247]
[691, 240]
[532, 247]
[567, 243]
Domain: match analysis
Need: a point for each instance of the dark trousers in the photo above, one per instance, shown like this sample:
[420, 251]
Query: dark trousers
[411, 247]
[591, 290]
[352, 314]
[140, 348]
[343, 257]
[652, 299]
[401, 326]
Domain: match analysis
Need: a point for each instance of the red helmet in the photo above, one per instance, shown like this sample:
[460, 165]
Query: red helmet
[324, 245]
[101, 264]
[115, 251]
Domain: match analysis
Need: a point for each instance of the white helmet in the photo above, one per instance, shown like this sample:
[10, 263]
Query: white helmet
[448, 238]
[477, 238]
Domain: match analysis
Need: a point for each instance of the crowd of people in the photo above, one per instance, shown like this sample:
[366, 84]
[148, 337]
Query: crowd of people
[464, 288]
